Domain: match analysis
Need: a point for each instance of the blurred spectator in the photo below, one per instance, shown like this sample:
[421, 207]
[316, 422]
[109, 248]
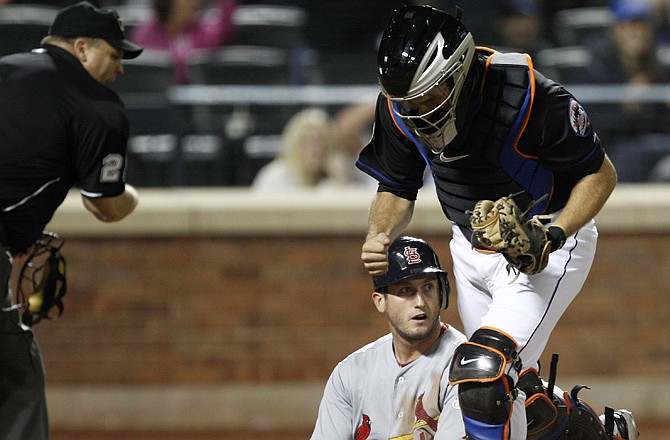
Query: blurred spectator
[303, 160]
[508, 25]
[183, 27]
[661, 10]
[628, 54]
[636, 134]
[352, 128]
[520, 27]
[549, 9]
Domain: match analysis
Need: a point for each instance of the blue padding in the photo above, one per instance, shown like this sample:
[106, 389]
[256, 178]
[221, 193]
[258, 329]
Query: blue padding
[483, 431]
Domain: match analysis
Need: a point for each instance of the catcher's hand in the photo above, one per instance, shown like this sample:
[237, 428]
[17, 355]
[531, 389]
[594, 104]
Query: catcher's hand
[526, 243]
[374, 254]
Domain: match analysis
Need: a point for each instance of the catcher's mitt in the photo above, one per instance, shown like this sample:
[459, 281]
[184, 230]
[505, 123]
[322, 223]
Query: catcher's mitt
[42, 283]
[526, 243]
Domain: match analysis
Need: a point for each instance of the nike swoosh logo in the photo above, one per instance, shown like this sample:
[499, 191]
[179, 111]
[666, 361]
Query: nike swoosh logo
[444, 158]
[464, 361]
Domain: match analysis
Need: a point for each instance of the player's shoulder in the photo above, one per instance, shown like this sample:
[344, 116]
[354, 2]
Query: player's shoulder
[511, 59]
[374, 346]
[442, 351]
[515, 60]
[370, 352]
[451, 337]
[501, 59]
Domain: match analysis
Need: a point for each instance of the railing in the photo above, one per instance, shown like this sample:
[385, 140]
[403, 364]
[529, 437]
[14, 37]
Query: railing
[271, 95]
[343, 94]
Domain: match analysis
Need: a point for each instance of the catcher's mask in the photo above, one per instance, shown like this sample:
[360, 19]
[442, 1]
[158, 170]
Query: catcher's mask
[41, 282]
[410, 256]
[425, 56]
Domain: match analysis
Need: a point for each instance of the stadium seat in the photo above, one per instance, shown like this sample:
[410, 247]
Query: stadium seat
[206, 160]
[22, 27]
[576, 26]
[257, 151]
[269, 25]
[156, 125]
[564, 64]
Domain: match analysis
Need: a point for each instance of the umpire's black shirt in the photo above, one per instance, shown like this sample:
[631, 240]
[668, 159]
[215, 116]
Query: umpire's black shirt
[59, 128]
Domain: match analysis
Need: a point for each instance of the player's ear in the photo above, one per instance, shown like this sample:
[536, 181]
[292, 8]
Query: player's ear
[379, 299]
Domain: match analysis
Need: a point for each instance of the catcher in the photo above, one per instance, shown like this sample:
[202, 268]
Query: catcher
[520, 174]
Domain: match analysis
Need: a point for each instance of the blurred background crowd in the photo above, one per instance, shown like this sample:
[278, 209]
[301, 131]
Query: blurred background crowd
[278, 95]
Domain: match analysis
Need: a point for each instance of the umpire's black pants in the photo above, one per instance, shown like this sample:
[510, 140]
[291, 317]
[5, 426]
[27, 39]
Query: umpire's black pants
[23, 410]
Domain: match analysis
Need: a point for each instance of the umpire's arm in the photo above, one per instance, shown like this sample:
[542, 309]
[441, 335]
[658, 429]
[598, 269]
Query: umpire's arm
[112, 209]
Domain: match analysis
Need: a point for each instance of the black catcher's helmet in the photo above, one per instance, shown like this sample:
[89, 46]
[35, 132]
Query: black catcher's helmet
[425, 50]
[410, 256]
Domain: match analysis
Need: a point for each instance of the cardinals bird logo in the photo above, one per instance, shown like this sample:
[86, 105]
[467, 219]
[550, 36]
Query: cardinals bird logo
[363, 431]
[422, 416]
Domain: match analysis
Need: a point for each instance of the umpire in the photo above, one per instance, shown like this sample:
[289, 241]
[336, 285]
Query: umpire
[60, 127]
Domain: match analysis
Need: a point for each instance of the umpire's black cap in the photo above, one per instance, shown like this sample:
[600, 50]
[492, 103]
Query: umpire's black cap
[85, 20]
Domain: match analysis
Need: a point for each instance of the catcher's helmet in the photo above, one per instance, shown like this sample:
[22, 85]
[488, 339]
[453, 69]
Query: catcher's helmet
[425, 51]
[410, 256]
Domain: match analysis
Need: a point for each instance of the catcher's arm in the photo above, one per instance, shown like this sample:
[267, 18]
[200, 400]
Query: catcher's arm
[587, 198]
[389, 216]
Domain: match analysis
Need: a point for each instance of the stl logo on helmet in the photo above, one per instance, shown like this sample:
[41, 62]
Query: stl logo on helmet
[412, 255]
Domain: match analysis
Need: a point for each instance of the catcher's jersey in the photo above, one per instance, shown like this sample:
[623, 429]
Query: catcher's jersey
[523, 133]
[370, 396]
[59, 128]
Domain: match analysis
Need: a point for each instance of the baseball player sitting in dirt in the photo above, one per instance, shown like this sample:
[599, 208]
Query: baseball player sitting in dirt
[400, 386]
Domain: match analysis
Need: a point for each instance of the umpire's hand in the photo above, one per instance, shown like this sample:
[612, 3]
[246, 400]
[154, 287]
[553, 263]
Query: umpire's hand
[375, 253]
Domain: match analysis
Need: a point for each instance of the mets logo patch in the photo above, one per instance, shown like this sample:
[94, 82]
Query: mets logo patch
[579, 120]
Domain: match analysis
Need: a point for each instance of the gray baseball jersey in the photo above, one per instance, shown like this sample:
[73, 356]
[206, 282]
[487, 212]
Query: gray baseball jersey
[370, 396]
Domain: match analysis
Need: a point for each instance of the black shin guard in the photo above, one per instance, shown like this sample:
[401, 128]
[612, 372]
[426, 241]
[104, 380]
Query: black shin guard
[488, 403]
[485, 392]
[554, 417]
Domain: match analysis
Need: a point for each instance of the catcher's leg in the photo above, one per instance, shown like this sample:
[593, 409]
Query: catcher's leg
[485, 392]
[554, 415]
[543, 415]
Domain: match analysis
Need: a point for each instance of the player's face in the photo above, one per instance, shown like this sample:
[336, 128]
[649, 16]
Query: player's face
[430, 114]
[413, 308]
[103, 61]
[429, 107]
[433, 99]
